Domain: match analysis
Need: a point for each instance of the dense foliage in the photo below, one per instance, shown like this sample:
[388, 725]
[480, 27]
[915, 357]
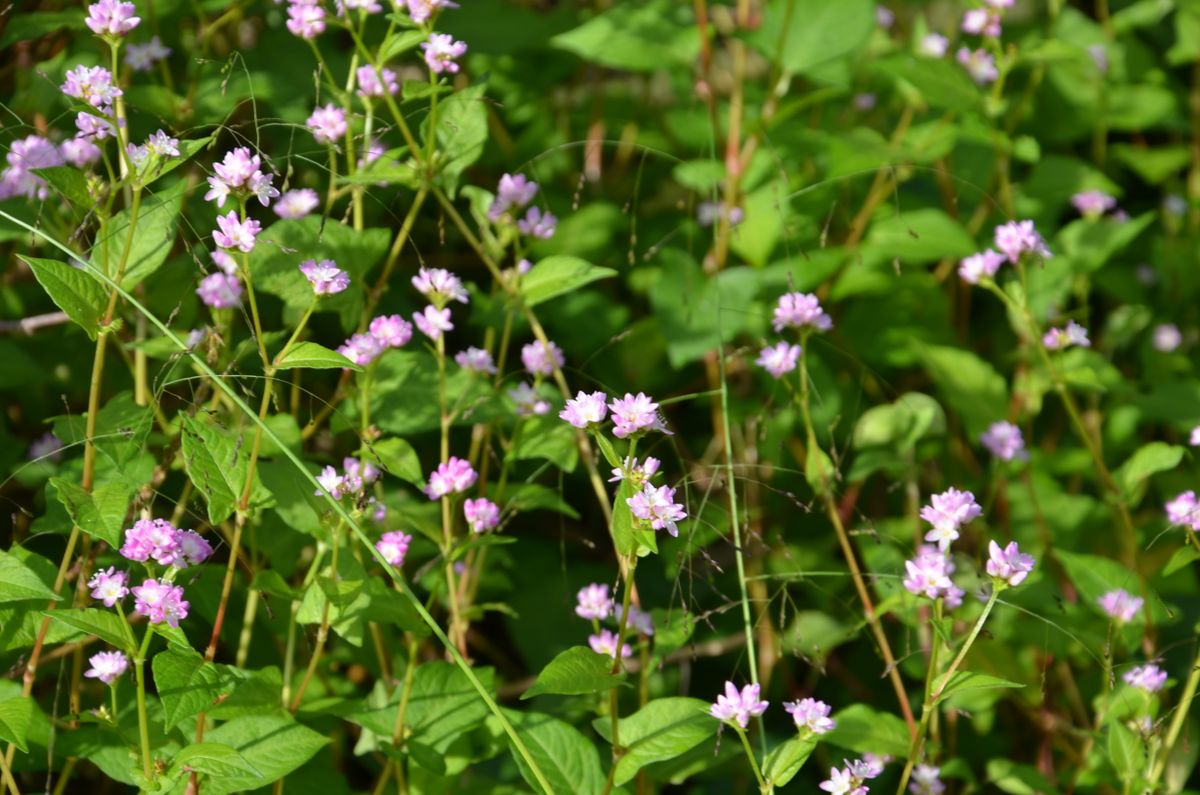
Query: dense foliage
[764, 395]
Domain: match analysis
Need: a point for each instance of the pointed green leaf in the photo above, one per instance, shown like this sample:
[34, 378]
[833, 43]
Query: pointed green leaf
[311, 356]
[212, 759]
[865, 730]
[576, 671]
[661, 730]
[19, 582]
[15, 717]
[557, 275]
[186, 684]
[70, 183]
[786, 759]
[217, 461]
[71, 290]
[100, 514]
[566, 758]
[106, 625]
[272, 744]
[963, 681]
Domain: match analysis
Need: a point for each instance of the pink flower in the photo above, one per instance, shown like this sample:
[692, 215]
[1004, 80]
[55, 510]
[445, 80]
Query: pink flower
[1120, 605]
[980, 266]
[475, 360]
[80, 152]
[1148, 677]
[1184, 510]
[92, 126]
[111, 18]
[297, 203]
[394, 547]
[328, 124]
[440, 52]
[152, 538]
[606, 643]
[779, 359]
[362, 349]
[1167, 337]
[810, 714]
[1073, 334]
[481, 514]
[541, 359]
[193, 549]
[633, 414]
[325, 276]
[980, 65]
[637, 473]
[1003, 440]
[220, 291]
[800, 310]
[514, 192]
[638, 619]
[929, 576]
[1093, 203]
[1008, 564]
[538, 224]
[421, 10]
[433, 321]
[94, 85]
[1019, 237]
[391, 330]
[926, 780]
[947, 512]
[160, 602]
[934, 45]
[331, 483]
[143, 57]
[376, 84]
[107, 666]
[981, 21]
[440, 286]
[306, 20]
[657, 507]
[1194, 439]
[451, 477]
[585, 409]
[234, 233]
[528, 401]
[109, 586]
[593, 602]
[738, 707]
[24, 155]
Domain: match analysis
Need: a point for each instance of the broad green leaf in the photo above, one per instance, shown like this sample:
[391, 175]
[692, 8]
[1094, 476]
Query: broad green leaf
[187, 149]
[100, 514]
[272, 744]
[72, 290]
[576, 671]
[566, 758]
[933, 81]
[70, 183]
[1149, 459]
[640, 37]
[971, 386]
[1015, 779]
[865, 730]
[1182, 557]
[153, 239]
[785, 760]
[186, 684]
[217, 461]
[310, 355]
[817, 31]
[963, 681]
[622, 522]
[35, 24]
[557, 275]
[15, 717]
[696, 312]
[443, 705]
[269, 581]
[399, 42]
[104, 624]
[549, 438]
[397, 457]
[1092, 244]
[920, 236]
[461, 132]
[19, 582]
[1125, 751]
[661, 730]
[385, 607]
[212, 759]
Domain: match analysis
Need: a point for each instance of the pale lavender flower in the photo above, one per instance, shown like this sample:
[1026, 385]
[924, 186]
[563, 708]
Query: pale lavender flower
[451, 477]
[440, 286]
[306, 21]
[433, 321]
[980, 266]
[1074, 334]
[1167, 337]
[143, 57]
[107, 666]
[359, 473]
[1148, 677]
[1093, 203]
[47, 446]
[160, 602]
[109, 586]
[981, 21]
[1099, 56]
[235, 233]
[738, 706]
[369, 6]
[331, 483]
[1003, 440]
[328, 124]
[870, 766]
[374, 83]
[929, 574]
[810, 714]
[362, 349]
[325, 276]
[538, 224]
[422, 10]
[92, 126]
[637, 473]
[394, 547]
[779, 359]
[657, 507]
[193, 549]
[528, 402]
[162, 145]
[80, 152]
[884, 17]
[709, 213]
[606, 643]
[1120, 605]
[1008, 564]
[1184, 510]
[593, 602]
[111, 18]
[260, 185]
[864, 101]
[947, 512]
[92, 84]
[224, 261]
[800, 310]
[475, 360]
[934, 45]
[1020, 237]
[514, 192]
[926, 780]
[633, 414]
[152, 538]
[440, 52]
[297, 203]
[980, 65]
[585, 410]
[638, 619]
[481, 514]
[842, 782]
[1194, 440]
[391, 330]
[220, 291]
[541, 359]
[23, 156]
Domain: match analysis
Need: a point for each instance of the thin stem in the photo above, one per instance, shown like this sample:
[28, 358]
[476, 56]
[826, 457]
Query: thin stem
[323, 629]
[1181, 714]
[9, 781]
[143, 719]
[741, 733]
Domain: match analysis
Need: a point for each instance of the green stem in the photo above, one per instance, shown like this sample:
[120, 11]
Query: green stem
[1181, 714]
[741, 733]
[143, 718]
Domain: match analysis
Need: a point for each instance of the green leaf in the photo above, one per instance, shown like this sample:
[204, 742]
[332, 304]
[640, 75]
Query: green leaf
[697, 312]
[1182, 557]
[154, 238]
[1125, 751]
[217, 461]
[785, 760]
[1095, 576]
[19, 582]
[401, 41]
[443, 705]
[71, 290]
[920, 236]
[100, 514]
[546, 437]
[1148, 460]
[15, 716]
[461, 133]
[935, 81]
[70, 183]
[576, 671]
[312, 356]
[269, 581]
[187, 149]
[212, 759]
[566, 758]
[640, 37]
[661, 730]
[397, 457]
[186, 684]
[558, 275]
[1015, 779]
[865, 730]
[963, 681]
[35, 24]
[272, 744]
[971, 386]
[622, 522]
[106, 625]
[817, 31]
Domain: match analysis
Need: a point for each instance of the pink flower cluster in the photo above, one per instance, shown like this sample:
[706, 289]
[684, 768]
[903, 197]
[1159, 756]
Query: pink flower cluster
[948, 512]
[1093, 203]
[25, 155]
[635, 414]
[394, 547]
[810, 715]
[240, 174]
[328, 124]
[235, 233]
[527, 401]
[451, 477]
[1008, 564]
[112, 18]
[306, 18]
[107, 666]
[162, 542]
[440, 52]
[1004, 440]
[929, 576]
[354, 478]
[161, 602]
[109, 586]
[593, 602]
[802, 311]
[476, 360]
[779, 359]
[325, 276]
[850, 779]
[1184, 510]
[656, 507]
[297, 203]
[385, 331]
[440, 286]
[1120, 605]
[513, 193]
[1057, 339]
[143, 57]
[541, 359]
[738, 707]
[481, 514]
[1148, 677]
[605, 642]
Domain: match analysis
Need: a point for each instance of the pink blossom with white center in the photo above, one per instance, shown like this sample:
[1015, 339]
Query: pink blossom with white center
[143, 57]
[92, 126]
[433, 321]
[222, 260]
[392, 331]
[1074, 334]
[538, 224]
[528, 402]
[513, 192]
[1016, 238]
[1194, 439]
[800, 310]
[109, 586]
[842, 782]
[107, 666]
[193, 549]
[325, 276]
[980, 65]
[1148, 677]
[779, 359]
[369, 6]
[362, 349]
[237, 167]
[111, 18]
[633, 414]
[657, 507]
[1093, 203]
[1120, 605]
[1009, 563]
[92, 84]
[929, 573]
[738, 706]
[1167, 337]
[981, 21]
[297, 203]
[331, 483]
[637, 473]
[440, 52]
[152, 538]
[451, 477]
[810, 714]
[1003, 440]
[372, 83]
[585, 409]
[394, 547]
[1184, 510]
[421, 10]
[541, 359]
[440, 286]
[232, 232]
[593, 602]
[638, 619]
[80, 152]
[220, 291]
[947, 512]
[926, 780]
[606, 643]
[481, 514]
[980, 266]
[305, 20]
[475, 360]
[328, 124]
[160, 602]
[934, 45]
